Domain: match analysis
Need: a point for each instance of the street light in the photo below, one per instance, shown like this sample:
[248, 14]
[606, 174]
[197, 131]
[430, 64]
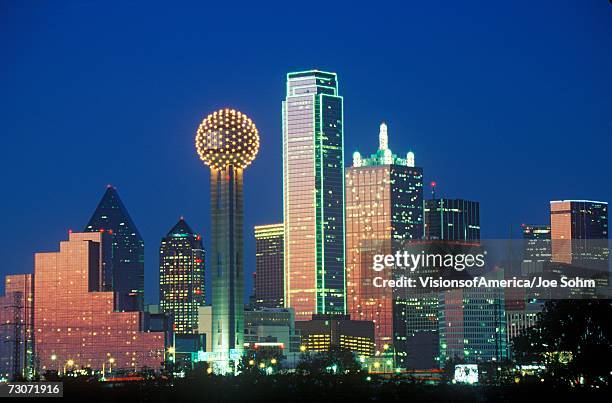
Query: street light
[69, 363]
[111, 361]
[273, 361]
[53, 358]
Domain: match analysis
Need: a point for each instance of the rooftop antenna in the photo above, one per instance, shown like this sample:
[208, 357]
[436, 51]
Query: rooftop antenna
[433, 189]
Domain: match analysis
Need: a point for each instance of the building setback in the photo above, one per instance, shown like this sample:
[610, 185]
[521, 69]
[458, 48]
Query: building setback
[75, 325]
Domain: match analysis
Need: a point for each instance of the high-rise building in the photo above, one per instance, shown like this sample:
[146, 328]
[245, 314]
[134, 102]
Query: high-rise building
[579, 233]
[472, 324]
[181, 277]
[269, 265]
[16, 316]
[536, 248]
[227, 141]
[313, 190]
[384, 205]
[124, 273]
[452, 220]
[75, 325]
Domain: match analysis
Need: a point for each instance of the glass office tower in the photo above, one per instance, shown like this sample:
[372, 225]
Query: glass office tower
[579, 233]
[269, 265]
[75, 326]
[384, 203]
[125, 272]
[313, 193]
[181, 277]
[452, 220]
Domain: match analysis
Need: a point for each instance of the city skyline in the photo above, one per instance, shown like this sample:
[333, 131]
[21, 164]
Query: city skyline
[442, 159]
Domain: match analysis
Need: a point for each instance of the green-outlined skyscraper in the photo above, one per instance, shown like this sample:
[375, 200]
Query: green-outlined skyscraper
[313, 193]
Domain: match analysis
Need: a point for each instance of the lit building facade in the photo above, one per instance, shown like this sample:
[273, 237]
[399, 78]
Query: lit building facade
[313, 194]
[16, 347]
[536, 248]
[579, 233]
[269, 265]
[472, 325]
[271, 326]
[181, 277]
[124, 273]
[452, 220]
[384, 205]
[75, 324]
[324, 331]
[227, 141]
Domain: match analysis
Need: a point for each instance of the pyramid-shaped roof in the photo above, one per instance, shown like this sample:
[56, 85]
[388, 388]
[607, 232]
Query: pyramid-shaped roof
[181, 228]
[111, 214]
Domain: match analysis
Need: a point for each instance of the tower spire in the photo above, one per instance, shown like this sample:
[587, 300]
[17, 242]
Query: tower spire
[383, 138]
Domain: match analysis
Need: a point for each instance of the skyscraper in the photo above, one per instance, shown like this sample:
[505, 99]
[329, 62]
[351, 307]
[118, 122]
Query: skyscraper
[536, 248]
[452, 220]
[269, 265]
[313, 190]
[579, 233]
[227, 141]
[75, 325]
[472, 325]
[124, 273]
[181, 277]
[384, 203]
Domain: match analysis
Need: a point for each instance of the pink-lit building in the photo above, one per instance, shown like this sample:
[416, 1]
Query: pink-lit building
[75, 324]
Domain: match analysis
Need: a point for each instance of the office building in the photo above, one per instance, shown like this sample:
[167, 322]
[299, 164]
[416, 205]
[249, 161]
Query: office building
[271, 327]
[472, 324]
[324, 331]
[124, 273]
[269, 266]
[579, 233]
[313, 194]
[452, 220]
[384, 205]
[181, 277]
[536, 248]
[75, 324]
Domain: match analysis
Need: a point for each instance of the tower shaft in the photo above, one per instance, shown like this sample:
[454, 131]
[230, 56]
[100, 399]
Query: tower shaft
[226, 259]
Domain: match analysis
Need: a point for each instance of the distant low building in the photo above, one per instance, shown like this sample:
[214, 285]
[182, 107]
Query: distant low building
[272, 325]
[325, 331]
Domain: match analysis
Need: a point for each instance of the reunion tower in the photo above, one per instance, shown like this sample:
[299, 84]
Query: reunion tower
[227, 141]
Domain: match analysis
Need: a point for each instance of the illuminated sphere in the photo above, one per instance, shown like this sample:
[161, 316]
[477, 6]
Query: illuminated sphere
[227, 137]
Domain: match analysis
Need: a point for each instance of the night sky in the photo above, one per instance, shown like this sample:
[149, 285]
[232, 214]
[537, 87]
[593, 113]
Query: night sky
[507, 103]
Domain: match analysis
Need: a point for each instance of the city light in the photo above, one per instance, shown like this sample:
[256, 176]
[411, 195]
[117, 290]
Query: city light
[227, 137]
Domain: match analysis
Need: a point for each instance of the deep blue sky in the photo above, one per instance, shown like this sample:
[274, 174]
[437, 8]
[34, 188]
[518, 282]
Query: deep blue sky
[507, 103]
